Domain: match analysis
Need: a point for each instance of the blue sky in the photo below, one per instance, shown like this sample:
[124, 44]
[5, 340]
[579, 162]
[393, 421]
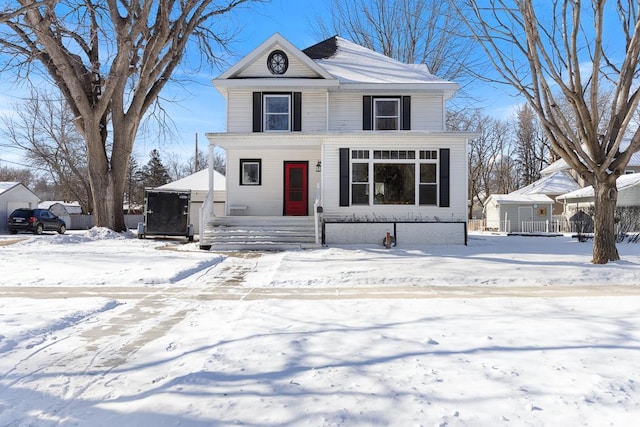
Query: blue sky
[198, 108]
[204, 111]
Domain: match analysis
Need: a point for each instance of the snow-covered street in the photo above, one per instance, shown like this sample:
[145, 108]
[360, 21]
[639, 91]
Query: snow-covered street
[98, 328]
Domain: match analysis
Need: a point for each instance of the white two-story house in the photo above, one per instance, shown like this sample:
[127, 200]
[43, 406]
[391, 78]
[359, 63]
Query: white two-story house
[343, 139]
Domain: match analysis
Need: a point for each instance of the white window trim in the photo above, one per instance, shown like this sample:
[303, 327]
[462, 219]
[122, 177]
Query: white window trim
[249, 162]
[415, 161]
[265, 114]
[376, 116]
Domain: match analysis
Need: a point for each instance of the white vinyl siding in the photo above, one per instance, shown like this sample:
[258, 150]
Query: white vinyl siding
[427, 113]
[240, 111]
[314, 111]
[259, 67]
[267, 198]
[345, 111]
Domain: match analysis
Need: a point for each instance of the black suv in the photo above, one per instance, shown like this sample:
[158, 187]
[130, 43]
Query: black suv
[35, 221]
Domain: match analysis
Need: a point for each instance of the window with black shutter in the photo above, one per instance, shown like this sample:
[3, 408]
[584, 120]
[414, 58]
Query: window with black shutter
[386, 112]
[277, 111]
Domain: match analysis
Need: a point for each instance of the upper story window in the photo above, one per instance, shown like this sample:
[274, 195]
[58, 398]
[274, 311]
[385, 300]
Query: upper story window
[277, 113]
[386, 114]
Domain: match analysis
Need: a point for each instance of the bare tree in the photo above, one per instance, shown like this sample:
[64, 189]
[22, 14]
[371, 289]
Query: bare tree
[531, 145]
[411, 31]
[486, 153]
[220, 162]
[42, 127]
[541, 52]
[111, 59]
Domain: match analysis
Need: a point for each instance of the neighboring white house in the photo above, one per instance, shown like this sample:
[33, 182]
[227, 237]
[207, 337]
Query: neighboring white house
[14, 195]
[518, 213]
[561, 165]
[550, 184]
[339, 129]
[583, 199]
[198, 184]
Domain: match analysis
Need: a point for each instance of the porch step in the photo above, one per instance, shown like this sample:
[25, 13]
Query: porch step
[259, 233]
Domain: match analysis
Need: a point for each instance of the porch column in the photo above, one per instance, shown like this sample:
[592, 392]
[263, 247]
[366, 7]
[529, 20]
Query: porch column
[211, 176]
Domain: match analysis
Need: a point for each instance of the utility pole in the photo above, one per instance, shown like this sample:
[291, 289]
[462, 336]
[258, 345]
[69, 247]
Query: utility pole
[196, 156]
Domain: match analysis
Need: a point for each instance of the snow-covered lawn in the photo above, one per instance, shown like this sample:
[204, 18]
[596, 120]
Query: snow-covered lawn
[98, 328]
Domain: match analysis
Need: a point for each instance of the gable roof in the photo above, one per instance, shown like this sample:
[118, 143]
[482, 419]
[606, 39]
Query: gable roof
[198, 181]
[561, 164]
[556, 183]
[516, 199]
[353, 64]
[70, 207]
[335, 62]
[622, 183]
[275, 40]
[6, 186]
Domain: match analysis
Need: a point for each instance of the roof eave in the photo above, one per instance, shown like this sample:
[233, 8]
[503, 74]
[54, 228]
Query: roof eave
[447, 88]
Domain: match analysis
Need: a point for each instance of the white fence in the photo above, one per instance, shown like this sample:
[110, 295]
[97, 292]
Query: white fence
[535, 226]
[557, 225]
[85, 222]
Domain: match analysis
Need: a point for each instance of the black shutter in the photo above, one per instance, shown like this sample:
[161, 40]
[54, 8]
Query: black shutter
[367, 122]
[257, 111]
[297, 111]
[406, 113]
[344, 177]
[444, 178]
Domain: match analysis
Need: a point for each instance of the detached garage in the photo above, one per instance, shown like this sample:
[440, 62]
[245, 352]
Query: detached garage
[198, 185]
[14, 195]
[516, 213]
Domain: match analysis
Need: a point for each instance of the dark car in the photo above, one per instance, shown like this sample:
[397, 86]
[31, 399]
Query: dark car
[35, 221]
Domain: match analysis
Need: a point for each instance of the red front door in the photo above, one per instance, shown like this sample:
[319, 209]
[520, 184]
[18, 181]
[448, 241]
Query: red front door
[295, 188]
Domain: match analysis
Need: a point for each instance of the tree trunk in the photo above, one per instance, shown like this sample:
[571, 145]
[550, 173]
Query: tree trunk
[604, 236]
[107, 177]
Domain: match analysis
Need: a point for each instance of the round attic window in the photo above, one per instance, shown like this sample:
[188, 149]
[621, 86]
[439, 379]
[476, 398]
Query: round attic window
[277, 62]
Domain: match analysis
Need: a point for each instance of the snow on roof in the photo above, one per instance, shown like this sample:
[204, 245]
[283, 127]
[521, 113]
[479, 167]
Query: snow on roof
[198, 181]
[556, 183]
[623, 182]
[71, 207]
[352, 63]
[6, 185]
[560, 164]
[513, 199]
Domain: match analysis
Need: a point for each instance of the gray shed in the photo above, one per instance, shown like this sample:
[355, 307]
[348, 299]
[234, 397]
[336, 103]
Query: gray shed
[14, 195]
[516, 213]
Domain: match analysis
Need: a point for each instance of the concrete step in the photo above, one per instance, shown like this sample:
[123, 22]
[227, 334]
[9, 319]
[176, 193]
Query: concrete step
[259, 233]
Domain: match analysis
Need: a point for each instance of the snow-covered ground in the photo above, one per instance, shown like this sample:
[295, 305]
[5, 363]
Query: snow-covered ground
[103, 329]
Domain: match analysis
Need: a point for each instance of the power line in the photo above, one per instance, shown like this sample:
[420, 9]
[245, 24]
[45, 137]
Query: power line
[15, 163]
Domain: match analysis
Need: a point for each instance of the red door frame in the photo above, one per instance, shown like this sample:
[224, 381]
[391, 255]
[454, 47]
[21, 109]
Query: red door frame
[296, 208]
